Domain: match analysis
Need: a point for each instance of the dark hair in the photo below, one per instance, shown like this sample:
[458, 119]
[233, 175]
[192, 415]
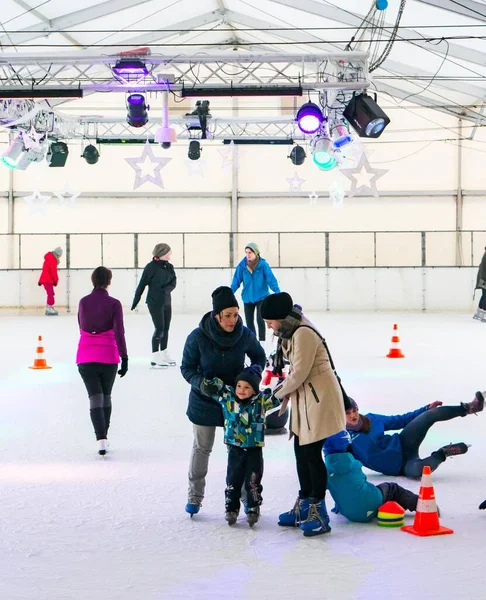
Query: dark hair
[101, 277]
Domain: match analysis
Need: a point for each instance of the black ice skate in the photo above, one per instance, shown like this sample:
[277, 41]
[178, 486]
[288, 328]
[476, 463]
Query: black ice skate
[477, 405]
[253, 515]
[231, 516]
[455, 449]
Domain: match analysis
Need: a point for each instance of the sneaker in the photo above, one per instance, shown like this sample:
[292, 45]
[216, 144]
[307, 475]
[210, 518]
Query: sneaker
[253, 515]
[102, 445]
[317, 522]
[476, 405]
[298, 514]
[231, 516]
[167, 358]
[192, 507]
[455, 449]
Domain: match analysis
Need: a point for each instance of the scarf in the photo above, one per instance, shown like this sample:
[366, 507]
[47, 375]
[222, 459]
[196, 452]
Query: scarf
[221, 338]
[363, 425]
[251, 265]
[289, 325]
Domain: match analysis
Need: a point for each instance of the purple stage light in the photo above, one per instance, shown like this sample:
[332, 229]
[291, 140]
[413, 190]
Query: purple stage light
[127, 67]
[309, 118]
[137, 110]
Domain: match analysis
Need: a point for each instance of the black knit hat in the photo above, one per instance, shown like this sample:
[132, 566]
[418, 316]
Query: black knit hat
[252, 375]
[223, 297]
[276, 306]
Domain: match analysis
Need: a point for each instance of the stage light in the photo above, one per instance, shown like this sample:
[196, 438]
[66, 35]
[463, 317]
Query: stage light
[309, 118]
[127, 67]
[137, 110]
[323, 156]
[91, 154]
[365, 116]
[195, 150]
[297, 155]
[201, 115]
[12, 156]
[340, 135]
[57, 154]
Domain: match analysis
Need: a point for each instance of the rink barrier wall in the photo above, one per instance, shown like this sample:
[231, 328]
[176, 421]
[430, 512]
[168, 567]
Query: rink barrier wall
[317, 289]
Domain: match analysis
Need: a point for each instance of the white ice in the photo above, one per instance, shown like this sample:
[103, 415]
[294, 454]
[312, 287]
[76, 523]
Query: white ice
[77, 526]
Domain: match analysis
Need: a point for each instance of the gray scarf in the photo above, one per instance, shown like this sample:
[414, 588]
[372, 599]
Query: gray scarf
[289, 325]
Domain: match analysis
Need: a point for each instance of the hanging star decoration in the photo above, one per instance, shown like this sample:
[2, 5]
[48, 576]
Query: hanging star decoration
[32, 139]
[295, 182]
[195, 168]
[67, 195]
[229, 156]
[37, 202]
[363, 178]
[336, 194]
[147, 167]
[313, 198]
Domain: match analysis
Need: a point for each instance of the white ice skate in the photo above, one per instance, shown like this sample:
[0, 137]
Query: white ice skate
[158, 362]
[167, 358]
[51, 311]
[102, 447]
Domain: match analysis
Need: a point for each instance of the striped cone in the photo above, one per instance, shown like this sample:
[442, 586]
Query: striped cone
[395, 351]
[427, 517]
[39, 361]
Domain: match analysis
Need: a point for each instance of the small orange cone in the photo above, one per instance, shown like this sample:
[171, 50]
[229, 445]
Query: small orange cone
[395, 351]
[426, 518]
[39, 361]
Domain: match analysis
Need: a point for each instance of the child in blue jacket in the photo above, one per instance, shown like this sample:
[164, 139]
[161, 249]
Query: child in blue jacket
[244, 410]
[398, 454]
[355, 497]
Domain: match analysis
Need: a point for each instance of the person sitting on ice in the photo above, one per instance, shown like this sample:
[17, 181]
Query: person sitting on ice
[355, 497]
[244, 408]
[398, 454]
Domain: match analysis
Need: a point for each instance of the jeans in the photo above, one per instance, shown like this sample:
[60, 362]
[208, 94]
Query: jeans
[161, 316]
[250, 319]
[198, 464]
[50, 293]
[99, 379]
[311, 470]
[245, 467]
[393, 492]
[414, 434]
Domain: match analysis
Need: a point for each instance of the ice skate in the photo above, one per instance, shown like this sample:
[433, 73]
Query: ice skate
[231, 516]
[192, 507]
[167, 358]
[477, 405]
[51, 311]
[317, 522]
[298, 514]
[102, 446]
[253, 515]
[455, 449]
[158, 362]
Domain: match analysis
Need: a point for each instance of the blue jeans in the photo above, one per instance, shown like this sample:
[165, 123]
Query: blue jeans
[414, 434]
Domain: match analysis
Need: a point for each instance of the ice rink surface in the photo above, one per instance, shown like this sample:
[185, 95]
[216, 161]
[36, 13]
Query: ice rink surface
[75, 526]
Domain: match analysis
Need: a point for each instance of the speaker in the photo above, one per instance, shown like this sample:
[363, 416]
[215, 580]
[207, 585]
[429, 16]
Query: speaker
[57, 154]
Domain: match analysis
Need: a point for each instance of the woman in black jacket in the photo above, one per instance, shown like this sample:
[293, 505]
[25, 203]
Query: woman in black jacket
[217, 348]
[160, 277]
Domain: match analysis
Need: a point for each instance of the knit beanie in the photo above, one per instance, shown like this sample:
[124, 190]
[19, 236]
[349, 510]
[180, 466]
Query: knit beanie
[161, 250]
[223, 297]
[338, 442]
[254, 247]
[276, 306]
[57, 252]
[353, 404]
[253, 376]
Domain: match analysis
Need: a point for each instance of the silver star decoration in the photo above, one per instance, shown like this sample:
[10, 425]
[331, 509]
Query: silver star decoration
[196, 168]
[295, 182]
[313, 198]
[336, 194]
[32, 139]
[363, 178]
[68, 195]
[230, 156]
[37, 202]
[147, 167]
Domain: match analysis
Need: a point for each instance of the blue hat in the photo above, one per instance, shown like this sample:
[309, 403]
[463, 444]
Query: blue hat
[338, 442]
[252, 375]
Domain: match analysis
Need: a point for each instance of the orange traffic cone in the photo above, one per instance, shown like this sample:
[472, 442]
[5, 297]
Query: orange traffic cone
[395, 351]
[427, 517]
[39, 361]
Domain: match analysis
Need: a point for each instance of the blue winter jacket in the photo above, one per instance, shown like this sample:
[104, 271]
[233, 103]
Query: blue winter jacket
[356, 498]
[256, 284]
[211, 352]
[378, 451]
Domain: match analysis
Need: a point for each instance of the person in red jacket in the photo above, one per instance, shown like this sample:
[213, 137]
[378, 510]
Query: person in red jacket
[49, 278]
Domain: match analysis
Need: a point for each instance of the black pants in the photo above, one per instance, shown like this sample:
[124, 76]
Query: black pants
[311, 470]
[99, 379]
[250, 318]
[414, 434]
[161, 315]
[394, 492]
[245, 466]
[482, 300]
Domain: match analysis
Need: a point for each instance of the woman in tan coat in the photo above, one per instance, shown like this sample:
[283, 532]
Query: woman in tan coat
[317, 407]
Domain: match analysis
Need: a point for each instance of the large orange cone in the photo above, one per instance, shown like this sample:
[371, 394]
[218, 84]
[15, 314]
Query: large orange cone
[427, 517]
[395, 351]
[39, 361]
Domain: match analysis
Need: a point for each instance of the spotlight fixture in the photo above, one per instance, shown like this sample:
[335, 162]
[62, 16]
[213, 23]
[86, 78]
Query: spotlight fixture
[91, 154]
[12, 156]
[365, 116]
[195, 150]
[201, 122]
[19, 157]
[297, 155]
[137, 110]
[127, 67]
[340, 135]
[323, 156]
[57, 154]
[309, 118]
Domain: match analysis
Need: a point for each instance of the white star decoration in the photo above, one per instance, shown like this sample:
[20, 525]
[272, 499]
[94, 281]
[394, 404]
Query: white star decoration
[67, 194]
[195, 168]
[37, 202]
[295, 183]
[151, 167]
[230, 156]
[363, 178]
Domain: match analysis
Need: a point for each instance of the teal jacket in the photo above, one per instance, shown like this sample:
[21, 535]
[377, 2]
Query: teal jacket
[356, 498]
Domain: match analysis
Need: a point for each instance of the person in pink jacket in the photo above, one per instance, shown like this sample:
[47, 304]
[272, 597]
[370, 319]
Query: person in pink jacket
[49, 278]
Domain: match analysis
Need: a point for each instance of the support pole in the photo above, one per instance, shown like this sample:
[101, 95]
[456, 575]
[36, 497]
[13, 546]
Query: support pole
[459, 200]
[234, 196]
[11, 221]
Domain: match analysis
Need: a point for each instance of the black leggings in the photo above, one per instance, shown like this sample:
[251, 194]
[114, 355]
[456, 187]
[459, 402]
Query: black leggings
[250, 318]
[99, 379]
[311, 470]
[161, 315]
[482, 300]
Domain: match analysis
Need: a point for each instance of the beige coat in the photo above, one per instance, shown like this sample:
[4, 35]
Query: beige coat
[315, 394]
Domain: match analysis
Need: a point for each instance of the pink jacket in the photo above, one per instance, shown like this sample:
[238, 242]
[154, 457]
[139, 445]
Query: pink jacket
[98, 347]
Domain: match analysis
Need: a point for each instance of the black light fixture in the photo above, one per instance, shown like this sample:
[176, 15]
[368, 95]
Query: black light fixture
[91, 154]
[202, 114]
[297, 155]
[241, 90]
[40, 92]
[259, 141]
[195, 150]
[137, 110]
[365, 116]
[57, 154]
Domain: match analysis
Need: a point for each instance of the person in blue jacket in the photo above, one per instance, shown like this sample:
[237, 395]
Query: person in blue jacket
[217, 348]
[257, 278]
[398, 454]
[355, 497]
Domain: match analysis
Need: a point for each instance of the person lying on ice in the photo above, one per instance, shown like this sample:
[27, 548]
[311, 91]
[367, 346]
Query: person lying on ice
[355, 497]
[398, 454]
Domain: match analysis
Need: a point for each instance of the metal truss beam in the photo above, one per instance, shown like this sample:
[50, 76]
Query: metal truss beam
[467, 8]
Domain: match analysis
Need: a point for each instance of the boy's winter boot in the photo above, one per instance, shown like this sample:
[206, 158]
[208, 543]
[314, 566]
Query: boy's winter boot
[192, 507]
[231, 516]
[476, 405]
[252, 515]
[317, 522]
[298, 514]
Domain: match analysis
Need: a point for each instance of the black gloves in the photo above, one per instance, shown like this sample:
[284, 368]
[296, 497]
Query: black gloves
[211, 387]
[482, 506]
[124, 367]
